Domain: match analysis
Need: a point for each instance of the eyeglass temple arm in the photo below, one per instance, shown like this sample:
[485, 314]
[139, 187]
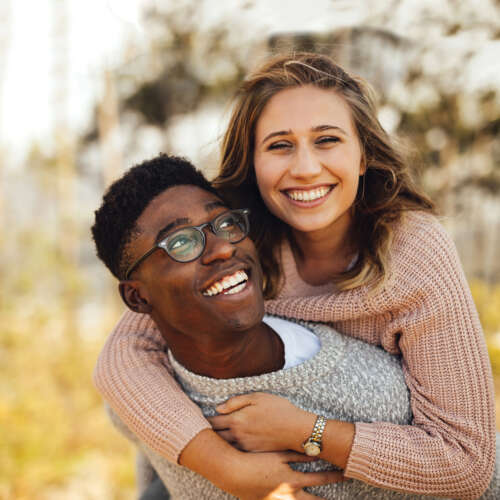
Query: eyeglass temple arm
[138, 261]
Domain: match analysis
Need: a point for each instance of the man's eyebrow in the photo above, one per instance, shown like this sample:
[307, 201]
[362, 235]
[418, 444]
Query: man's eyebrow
[182, 221]
[214, 204]
[164, 230]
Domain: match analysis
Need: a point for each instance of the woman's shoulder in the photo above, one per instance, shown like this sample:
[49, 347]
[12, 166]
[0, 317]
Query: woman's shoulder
[419, 236]
[416, 226]
[422, 251]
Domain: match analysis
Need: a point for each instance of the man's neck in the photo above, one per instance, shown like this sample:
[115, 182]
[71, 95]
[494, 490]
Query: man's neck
[239, 354]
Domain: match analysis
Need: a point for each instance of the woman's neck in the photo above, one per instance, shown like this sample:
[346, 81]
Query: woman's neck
[321, 255]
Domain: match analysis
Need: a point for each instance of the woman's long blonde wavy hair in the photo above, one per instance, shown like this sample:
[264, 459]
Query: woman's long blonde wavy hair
[383, 194]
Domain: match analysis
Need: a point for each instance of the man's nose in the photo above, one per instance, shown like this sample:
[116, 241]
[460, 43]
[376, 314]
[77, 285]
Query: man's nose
[305, 164]
[216, 248]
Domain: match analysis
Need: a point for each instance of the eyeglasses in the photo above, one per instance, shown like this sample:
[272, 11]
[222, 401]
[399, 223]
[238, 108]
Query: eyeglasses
[188, 243]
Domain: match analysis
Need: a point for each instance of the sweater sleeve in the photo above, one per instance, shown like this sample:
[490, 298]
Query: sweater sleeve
[134, 377]
[430, 318]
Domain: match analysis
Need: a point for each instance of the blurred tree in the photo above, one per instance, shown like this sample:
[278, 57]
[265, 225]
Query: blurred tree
[429, 91]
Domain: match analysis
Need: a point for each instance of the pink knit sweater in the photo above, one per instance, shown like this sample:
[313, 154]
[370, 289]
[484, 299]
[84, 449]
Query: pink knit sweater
[425, 312]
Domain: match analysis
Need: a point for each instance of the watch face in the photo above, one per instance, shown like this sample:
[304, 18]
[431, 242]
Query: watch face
[312, 449]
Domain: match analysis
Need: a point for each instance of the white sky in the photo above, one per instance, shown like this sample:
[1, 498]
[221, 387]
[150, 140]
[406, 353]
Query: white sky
[99, 31]
[30, 100]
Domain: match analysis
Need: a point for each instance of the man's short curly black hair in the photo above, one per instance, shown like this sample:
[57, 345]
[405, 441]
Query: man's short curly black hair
[126, 199]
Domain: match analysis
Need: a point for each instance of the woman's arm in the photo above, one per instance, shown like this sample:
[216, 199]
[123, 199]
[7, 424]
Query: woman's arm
[252, 475]
[265, 422]
[431, 320]
[133, 375]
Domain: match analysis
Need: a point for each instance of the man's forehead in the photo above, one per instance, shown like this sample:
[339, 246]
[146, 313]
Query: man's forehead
[179, 205]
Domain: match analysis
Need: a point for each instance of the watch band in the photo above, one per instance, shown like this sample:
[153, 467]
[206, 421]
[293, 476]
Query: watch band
[312, 445]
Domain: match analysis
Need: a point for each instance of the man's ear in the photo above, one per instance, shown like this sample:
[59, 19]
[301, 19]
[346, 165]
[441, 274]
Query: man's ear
[131, 294]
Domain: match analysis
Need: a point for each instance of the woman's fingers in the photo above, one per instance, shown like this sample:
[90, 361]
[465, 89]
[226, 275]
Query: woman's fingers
[312, 478]
[293, 456]
[235, 403]
[286, 491]
[303, 495]
[220, 422]
[321, 478]
[227, 436]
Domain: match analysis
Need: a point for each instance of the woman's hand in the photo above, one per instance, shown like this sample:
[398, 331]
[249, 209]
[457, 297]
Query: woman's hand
[268, 476]
[252, 476]
[263, 422]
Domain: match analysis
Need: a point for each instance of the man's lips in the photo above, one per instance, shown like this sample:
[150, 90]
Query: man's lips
[308, 195]
[231, 283]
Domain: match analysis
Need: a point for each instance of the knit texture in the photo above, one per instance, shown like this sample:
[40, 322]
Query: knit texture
[323, 384]
[424, 312]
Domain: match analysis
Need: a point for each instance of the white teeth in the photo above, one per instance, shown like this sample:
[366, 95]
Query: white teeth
[238, 278]
[313, 194]
[236, 289]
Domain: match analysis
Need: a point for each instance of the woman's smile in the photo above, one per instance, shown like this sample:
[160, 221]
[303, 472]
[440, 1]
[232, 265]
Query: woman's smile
[308, 197]
[308, 158]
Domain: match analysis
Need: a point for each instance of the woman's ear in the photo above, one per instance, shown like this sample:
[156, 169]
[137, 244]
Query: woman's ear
[362, 164]
[131, 294]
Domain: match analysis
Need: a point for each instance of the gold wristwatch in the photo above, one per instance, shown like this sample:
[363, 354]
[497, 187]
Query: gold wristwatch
[312, 446]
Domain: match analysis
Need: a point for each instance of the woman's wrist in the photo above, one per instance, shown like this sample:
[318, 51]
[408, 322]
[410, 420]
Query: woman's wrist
[336, 442]
[300, 430]
[338, 438]
[210, 456]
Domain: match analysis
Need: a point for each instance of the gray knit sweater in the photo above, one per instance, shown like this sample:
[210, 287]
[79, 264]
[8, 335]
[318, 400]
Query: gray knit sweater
[346, 380]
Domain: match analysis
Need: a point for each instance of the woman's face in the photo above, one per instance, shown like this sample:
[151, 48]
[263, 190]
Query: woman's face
[308, 158]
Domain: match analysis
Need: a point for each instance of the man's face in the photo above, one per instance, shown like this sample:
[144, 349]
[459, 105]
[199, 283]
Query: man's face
[186, 297]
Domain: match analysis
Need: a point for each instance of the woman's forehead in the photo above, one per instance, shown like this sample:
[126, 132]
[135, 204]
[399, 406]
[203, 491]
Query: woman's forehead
[304, 107]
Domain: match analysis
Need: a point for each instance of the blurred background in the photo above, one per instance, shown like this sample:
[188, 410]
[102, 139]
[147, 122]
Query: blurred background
[87, 89]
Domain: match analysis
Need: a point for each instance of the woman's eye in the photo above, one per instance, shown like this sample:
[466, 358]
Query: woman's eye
[279, 145]
[327, 139]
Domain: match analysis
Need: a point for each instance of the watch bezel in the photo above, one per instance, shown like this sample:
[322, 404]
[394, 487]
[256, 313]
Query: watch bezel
[311, 448]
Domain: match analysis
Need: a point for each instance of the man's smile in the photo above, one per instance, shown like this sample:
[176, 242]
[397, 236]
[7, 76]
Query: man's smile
[229, 284]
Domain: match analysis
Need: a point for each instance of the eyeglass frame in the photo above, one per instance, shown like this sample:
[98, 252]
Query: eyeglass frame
[162, 243]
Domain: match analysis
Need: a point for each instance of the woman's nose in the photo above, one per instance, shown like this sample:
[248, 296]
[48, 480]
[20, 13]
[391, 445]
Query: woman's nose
[305, 164]
[216, 248]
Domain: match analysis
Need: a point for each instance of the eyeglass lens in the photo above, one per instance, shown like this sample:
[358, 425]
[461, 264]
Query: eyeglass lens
[187, 244]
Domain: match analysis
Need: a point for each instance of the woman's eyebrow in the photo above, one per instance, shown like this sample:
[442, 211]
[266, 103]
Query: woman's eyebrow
[321, 128]
[318, 128]
[274, 134]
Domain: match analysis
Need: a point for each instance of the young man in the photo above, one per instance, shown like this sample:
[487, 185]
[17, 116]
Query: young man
[184, 258]
[149, 202]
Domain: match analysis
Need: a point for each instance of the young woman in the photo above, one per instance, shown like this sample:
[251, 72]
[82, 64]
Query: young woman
[344, 238]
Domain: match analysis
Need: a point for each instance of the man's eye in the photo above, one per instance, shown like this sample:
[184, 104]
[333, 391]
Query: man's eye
[179, 243]
[227, 224]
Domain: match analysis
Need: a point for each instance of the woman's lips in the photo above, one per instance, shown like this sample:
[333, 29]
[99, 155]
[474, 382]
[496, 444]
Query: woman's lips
[308, 197]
